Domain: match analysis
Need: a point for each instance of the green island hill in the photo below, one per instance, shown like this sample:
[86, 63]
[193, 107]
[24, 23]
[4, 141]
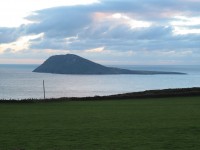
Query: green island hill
[73, 64]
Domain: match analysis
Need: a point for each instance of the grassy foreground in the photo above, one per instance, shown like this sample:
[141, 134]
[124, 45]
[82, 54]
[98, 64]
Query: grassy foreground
[144, 124]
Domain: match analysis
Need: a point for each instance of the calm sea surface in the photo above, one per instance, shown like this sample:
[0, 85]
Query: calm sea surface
[19, 82]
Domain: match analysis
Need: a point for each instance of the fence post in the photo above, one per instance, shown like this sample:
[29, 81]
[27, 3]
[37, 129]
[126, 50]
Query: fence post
[44, 89]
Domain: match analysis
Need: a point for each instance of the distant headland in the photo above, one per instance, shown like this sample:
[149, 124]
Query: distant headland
[73, 64]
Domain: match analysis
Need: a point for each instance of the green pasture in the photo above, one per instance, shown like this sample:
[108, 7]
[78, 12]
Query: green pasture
[143, 124]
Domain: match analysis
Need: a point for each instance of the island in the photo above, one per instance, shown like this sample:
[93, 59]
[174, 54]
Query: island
[73, 64]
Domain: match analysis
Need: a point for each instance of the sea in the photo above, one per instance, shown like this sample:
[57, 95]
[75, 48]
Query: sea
[19, 82]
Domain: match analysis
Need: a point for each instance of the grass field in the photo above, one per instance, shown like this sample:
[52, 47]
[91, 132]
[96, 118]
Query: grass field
[145, 124]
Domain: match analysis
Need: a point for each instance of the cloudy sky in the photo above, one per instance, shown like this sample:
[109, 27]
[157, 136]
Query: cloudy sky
[140, 32]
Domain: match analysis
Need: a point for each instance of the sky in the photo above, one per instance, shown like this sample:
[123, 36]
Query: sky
[114, 32]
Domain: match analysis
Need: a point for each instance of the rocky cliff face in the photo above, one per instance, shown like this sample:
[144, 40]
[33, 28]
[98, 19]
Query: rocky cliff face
[73, 64]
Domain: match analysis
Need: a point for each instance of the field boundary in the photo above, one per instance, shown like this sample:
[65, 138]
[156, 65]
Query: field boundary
[164, 93]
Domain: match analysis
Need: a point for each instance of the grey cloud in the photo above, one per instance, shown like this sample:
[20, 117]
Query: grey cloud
[48, 43]
[8, 35]
[123, 38]
[150, 5]
[63, 22]
[69, 21]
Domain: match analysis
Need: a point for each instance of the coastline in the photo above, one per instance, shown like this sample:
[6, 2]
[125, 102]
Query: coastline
[148, 94]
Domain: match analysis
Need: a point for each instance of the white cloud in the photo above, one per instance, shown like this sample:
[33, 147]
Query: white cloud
[185, 21]
[130, 21]
[174, 53]
[185, 31]
[95, 50]
[186, 25]
[21, 44]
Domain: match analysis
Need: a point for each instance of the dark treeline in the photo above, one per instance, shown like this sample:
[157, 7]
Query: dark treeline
[182, 92]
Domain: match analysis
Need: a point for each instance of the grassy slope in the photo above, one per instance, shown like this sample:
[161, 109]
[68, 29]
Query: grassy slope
[167, 123]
